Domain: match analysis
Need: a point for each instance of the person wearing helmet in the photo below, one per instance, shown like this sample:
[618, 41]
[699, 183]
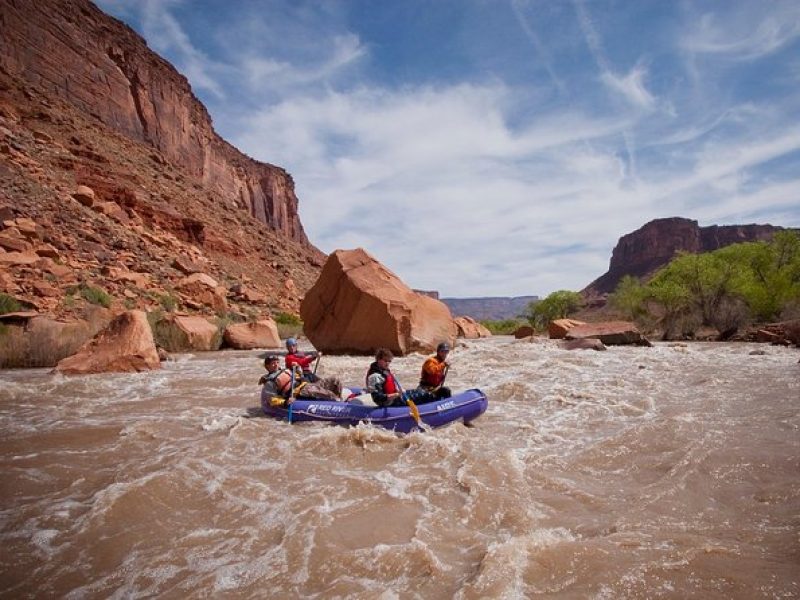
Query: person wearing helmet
[301, 359]
[434, 372]
[278, 383]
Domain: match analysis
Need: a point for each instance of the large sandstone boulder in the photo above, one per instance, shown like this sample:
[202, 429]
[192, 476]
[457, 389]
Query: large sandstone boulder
[557, 330]
[470, 329]
[125, 345]
[611, 333]
[357, 305]
[186, 333]
[246, 336]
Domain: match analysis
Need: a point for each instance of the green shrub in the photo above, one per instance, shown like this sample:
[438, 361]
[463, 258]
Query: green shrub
[166, 334]
[95, 295]
[283, 318]
[502, 326]
[289, 325]
[9, 304]
[167, 301]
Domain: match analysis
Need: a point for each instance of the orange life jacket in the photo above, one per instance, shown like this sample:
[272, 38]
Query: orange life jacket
[283, 382]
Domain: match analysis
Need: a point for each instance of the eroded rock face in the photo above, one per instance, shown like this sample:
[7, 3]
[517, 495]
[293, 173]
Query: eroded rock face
[611, 333]
[105, 68]
[125, 345]
[112, 178]
[247, 336]
[468, 328]
[557, 330]
[357, 305]
[656, 243]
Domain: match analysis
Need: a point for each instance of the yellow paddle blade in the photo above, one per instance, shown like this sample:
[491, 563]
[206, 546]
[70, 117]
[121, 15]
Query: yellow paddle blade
[413, 409]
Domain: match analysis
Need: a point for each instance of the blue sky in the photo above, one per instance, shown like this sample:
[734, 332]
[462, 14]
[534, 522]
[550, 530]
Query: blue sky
[500, 147]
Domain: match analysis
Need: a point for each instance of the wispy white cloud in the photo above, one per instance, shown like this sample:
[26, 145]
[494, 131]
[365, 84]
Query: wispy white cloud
[487, 186]
[631, 86]
[167, 36]
[276, 77]
[746, 31]
[518, 7]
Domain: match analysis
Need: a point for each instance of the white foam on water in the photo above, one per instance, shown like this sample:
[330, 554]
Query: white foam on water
[505, 562]
[573, 444]
[43, 540]
[223, 423]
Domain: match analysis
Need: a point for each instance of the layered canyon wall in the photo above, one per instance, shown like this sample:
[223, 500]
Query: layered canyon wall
[71, 49]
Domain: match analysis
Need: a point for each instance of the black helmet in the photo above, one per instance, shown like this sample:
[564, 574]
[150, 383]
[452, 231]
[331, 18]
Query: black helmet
[443, 347]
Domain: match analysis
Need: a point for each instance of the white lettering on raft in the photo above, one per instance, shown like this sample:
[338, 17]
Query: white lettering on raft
[446, 406]
[328, 409]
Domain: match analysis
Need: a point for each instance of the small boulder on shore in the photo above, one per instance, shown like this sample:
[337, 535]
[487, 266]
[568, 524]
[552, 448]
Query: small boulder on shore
[470, 329]
[525, 331]
[247, 336]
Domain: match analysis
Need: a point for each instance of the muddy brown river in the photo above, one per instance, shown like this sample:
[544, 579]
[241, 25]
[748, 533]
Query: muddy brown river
[664, 472]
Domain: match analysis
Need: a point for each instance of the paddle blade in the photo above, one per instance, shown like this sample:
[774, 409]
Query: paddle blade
[413, 409]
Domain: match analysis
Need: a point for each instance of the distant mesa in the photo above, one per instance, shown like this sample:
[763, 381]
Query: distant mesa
[491, 308]
[429, 293]
[641, 253]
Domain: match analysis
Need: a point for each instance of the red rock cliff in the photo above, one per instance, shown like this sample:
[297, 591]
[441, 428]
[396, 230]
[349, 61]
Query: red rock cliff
[655, 244]
[75, 51]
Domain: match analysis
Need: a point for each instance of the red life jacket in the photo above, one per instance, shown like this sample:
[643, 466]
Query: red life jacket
[390, 387]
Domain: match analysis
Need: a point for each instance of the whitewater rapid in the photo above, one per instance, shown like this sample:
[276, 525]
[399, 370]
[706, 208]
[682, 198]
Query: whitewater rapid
[664, 472]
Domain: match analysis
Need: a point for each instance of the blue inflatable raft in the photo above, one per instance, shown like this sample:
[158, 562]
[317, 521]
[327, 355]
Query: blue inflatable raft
[465, 407]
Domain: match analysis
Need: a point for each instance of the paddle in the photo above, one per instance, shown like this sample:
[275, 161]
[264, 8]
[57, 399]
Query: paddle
[412, 408]
[290, 400]
[316, 364]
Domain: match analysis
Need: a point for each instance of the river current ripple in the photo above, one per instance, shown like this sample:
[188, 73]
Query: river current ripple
[664, 472]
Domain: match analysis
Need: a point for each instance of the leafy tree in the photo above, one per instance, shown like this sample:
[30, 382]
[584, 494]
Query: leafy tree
[709, 278]
[630, 297]
[769, 278]
[722, 289]
[557, 305]
[674, 300]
